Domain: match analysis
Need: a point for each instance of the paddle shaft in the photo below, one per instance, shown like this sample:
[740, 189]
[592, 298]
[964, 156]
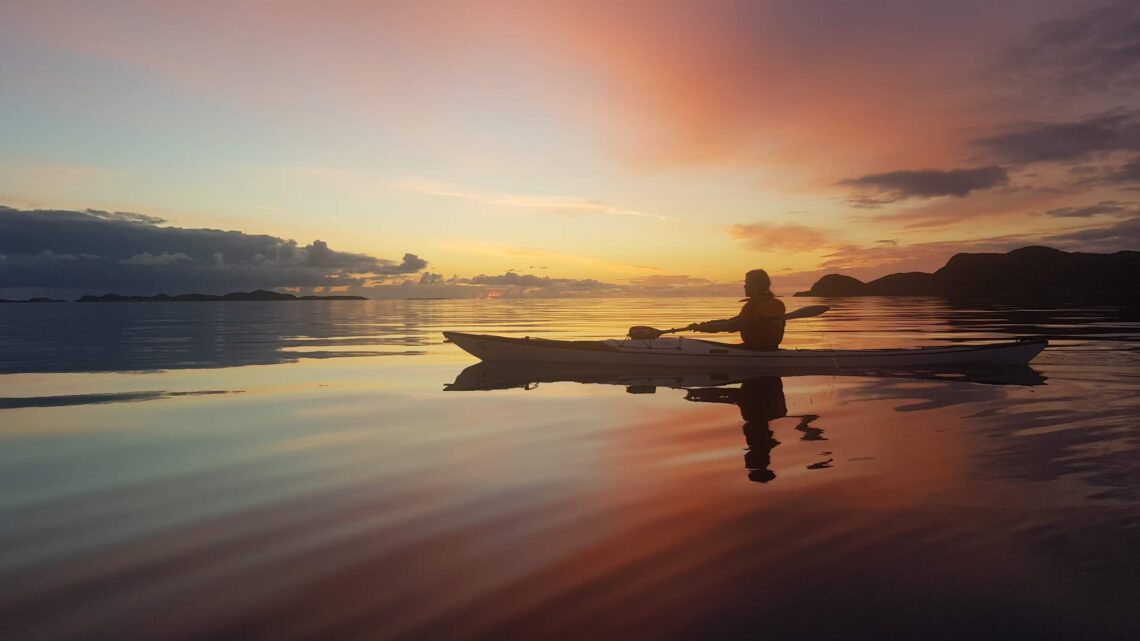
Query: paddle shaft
[649, 333]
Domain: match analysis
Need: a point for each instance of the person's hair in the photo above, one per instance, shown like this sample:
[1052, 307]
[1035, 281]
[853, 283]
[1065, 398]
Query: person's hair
[759, 277]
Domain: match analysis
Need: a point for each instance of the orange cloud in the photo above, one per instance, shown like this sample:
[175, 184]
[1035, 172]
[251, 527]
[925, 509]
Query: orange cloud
[776, 237]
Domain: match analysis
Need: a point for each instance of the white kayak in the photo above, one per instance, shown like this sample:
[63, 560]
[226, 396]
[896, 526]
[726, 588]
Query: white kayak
[688, 352]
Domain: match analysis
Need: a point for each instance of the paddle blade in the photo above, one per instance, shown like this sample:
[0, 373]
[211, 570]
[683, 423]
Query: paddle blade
[806, 312]
[644, 333]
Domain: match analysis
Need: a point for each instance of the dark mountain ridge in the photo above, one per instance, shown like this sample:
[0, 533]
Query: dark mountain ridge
[1025, 274]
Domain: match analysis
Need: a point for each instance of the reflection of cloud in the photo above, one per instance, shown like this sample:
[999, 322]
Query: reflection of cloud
[195, 336]
[98, 399]
[84, 251]
[555, 204]
[773, 236]
[888, 187]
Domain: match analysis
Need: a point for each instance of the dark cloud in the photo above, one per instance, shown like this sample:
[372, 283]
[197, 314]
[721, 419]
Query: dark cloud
[1095, 52]
[1103, 208]
[1118, 236]
[1129, 172]
[1125, 176]
[891, 186]
[319, 255]
[94, 251]
[1098, 134]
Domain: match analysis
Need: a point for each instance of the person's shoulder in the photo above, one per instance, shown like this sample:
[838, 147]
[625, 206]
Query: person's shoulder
[766, 307]
[774, 307]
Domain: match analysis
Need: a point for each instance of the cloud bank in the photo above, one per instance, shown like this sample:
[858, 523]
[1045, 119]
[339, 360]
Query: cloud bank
[95, 251]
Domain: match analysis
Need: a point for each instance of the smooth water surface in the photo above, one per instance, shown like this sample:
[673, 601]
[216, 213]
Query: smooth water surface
[297, 471]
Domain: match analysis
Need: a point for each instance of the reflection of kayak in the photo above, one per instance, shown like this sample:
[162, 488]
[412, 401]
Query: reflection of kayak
[687, 352]
[507, 374]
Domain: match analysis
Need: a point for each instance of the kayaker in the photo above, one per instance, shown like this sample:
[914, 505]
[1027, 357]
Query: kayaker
[759, 322]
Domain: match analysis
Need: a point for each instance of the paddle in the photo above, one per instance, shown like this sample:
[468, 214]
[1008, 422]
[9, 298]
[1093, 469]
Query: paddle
[644, 333]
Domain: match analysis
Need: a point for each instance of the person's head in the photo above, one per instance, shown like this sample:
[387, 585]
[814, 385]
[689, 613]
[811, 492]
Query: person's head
[756, 283]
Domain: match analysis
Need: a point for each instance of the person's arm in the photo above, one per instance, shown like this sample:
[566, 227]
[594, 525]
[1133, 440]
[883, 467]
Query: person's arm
[714, 326]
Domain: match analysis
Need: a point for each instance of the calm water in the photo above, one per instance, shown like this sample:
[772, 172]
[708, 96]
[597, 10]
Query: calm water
[297, 471]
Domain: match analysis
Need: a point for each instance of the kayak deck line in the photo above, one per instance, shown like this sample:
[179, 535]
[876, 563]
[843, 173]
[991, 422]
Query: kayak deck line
[705, 353]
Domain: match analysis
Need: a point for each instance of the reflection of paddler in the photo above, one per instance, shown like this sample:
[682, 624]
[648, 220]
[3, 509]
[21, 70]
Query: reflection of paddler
[760, 400]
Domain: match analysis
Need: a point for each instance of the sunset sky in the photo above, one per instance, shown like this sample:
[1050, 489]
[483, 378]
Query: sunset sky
[649, 146]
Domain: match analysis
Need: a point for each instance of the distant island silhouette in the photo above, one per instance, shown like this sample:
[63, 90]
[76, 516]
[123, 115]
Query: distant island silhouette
[38, 299]
[1026, 274]
[255, 295]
